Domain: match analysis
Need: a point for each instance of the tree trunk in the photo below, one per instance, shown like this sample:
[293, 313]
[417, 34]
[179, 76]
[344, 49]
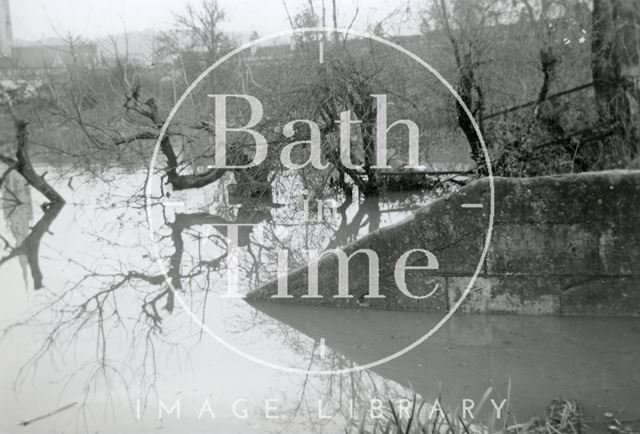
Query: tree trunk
[615, 64]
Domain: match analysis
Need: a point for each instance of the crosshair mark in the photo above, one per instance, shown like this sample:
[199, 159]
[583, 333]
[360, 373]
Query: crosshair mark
[323, 349]
[472, 205]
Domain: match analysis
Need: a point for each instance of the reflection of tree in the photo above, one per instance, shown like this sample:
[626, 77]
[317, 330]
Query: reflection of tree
[30, 246]
[348, 230]
[18, 214]
[125, 302]
[21, 164]
[116, 300]
[345, 398]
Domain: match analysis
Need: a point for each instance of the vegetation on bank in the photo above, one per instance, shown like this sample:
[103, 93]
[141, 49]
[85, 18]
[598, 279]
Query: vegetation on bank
[562, 416]
[552, 86]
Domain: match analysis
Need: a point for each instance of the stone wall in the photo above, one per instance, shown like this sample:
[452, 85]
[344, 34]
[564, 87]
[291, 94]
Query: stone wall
[565, 244]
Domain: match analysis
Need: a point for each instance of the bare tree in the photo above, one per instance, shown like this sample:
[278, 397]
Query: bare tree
[21, 163]
[616, 65]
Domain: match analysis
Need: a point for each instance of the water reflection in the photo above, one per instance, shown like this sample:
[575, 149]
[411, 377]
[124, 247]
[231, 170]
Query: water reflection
[107, 303]
[19, 213]
[106, 330]
[539, 356]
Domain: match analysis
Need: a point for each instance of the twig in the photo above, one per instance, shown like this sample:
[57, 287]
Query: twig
[530, 103]
[60, 410]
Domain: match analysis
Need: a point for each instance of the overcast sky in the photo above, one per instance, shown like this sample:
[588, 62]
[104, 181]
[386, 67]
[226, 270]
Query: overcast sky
[36, 19]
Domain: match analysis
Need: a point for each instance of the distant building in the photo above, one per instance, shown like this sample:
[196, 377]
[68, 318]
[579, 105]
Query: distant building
[52, 58]
[6, 35]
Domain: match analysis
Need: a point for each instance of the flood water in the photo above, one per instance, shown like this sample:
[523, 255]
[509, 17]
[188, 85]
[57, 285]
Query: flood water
[107, 333]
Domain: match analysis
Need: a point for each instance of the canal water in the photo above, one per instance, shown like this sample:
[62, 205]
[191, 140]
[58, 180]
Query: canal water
[107, 336]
